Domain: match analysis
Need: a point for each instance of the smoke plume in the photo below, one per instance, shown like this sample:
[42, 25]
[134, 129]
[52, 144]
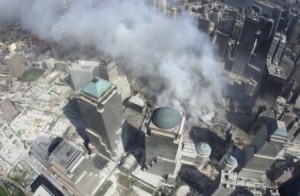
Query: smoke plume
[177, 60]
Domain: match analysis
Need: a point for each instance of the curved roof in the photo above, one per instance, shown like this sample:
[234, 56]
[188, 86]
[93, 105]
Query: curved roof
[231, 160]
[203, 148]
[166, 118]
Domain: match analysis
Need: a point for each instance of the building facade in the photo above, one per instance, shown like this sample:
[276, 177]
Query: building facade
[101, 106]
[164, 143]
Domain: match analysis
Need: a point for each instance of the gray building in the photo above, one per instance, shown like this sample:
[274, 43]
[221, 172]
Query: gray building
[101, 106]
[271, 86]
[243, 49]
[16, 64]
[83, 72]
[221, 41]
[164, 143]
[73, 170]
[265, 147]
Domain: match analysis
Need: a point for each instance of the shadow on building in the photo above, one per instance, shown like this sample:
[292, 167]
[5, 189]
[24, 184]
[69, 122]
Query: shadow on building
[72, 112]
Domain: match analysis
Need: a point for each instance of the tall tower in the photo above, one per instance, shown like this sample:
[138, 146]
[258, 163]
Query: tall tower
[271, 86]
[101, 106]
[294, 30]
[265, 147]
[222, 41]
[164, 143]
[83, 72]
[243, 49]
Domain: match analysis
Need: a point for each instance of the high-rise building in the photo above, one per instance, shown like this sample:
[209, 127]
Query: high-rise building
[266, 26]
[266, 145]
[75, 171]
[222, 41]
[109, 72]
[287, 64]
[243, 49]
[164, 143]
[101, 106]
[237, 29]
[276, 14]
[271, 86]
[277, 46]
[83, 72]
[16, 64]
[294, 31]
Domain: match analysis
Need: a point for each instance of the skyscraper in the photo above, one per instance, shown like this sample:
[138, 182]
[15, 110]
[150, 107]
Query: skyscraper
[294, 31]
[244, 47]
[277, 46]
[265, 147]
[101, 106]
[222, 41]
[271, 86]
[83, 72]
[164, 143]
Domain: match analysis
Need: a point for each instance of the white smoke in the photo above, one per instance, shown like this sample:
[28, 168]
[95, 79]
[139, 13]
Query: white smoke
[165, 51]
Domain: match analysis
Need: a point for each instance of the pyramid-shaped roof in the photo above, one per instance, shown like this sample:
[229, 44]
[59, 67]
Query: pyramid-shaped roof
[97, 87]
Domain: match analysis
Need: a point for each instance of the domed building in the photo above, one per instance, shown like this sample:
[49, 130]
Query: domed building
[163, 142]
[203, 152]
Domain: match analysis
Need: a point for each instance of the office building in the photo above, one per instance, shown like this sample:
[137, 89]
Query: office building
[265, 147]
[271, 86]
[73, 170]
[294, 31]
[244, 47]
[266, 26]
[287, 64]
[237, 30]
[224, 184]
[164, 143]
[83, 72]
[276, 14]
[101, 106]
[108, 71]
[277, 46]
[221, 41]
[16, 64]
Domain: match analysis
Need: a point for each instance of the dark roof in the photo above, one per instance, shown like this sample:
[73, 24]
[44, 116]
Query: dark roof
[43, 181]
[166, 118]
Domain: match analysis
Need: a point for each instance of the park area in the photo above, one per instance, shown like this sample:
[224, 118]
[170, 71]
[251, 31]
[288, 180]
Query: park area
[31, 75]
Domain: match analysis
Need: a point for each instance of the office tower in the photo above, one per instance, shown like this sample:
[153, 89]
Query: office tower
[109, 72]
[262, 118]
[266, 145]
[16, 64]
[274, 45]
[164, 143]
[222, 41]
[224, 184]
[228, 162]
[205, 25]
[276, 14]
[237, 30]
[294, 30]
[83, 72]
[101, 106]
[243, 49]
[287, 65]
[108, 69]
[266, 26]
[76, 172]
[271, 86]
[203, 153]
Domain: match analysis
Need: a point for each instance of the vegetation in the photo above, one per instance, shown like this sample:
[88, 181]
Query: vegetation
[105, 188]
[3, 191]
[31, 75]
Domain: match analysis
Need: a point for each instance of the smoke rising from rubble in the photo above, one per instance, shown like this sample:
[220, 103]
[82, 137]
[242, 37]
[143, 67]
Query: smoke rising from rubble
[177, 59]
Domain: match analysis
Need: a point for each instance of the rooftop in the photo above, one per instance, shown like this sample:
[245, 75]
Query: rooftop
[203, 148]
[277, 128]
[166, 118]
[97, 87]
[231, 160]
